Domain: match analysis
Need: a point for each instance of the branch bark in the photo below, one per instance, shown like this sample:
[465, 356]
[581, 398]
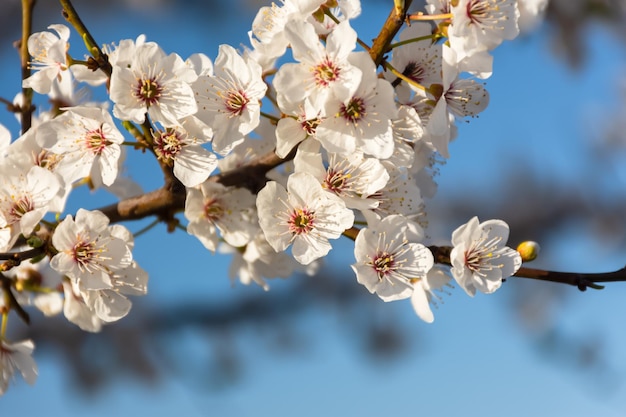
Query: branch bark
[26, 109]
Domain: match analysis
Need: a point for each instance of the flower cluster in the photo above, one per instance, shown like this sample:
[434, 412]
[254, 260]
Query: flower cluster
[364, 136]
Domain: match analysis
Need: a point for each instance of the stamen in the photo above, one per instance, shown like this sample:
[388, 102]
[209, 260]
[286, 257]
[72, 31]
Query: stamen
[301, 221]
[148, 90]
[20, 207]
[354, 110]
[326, 72]
[96, 141]
[167, 144]
[213, 209]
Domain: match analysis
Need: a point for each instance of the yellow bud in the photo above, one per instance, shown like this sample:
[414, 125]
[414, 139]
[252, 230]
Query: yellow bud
[529, 250]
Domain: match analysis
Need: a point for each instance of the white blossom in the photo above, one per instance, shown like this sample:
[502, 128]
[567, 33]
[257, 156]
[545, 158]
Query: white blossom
[229, 99]
[155, 84]
[212, 207]
[258, 261]
[344, 10]
[25, 198]
[353, 177]
[418, 61]
[459, 97]
[16, 357]
[531, 13]
[303, 215]
[363, 120]
[389, 257]
[480, 260]
[49, 58]
[181, 147]
[38, 285]
[400, 195]
[77, 311]
[301, 124]
[321, 71]
[88, 142]
[479, 25]
[88, 252]
[268, 28]
[424, 294]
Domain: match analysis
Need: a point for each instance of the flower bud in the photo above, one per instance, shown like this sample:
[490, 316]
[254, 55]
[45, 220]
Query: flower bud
[529, 250]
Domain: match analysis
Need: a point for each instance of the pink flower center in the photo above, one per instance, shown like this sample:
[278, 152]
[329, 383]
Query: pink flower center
[326, 73]
[20, 207]
[384, 263]
[480, 255]
[414, 71]
[309, 126]
[477, 11]
[84, 253]
[354, 110]
[95, 141]
[167, 144]
[301, 221]
[213, 209]
[46, 159]
[336, 181]
[148, 90]
[235, 102]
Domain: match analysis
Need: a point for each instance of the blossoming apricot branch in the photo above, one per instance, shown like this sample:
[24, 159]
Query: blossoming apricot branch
[271, 163]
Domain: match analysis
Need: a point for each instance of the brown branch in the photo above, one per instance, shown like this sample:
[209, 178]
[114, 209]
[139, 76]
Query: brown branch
[26, 109]
[162, 203]
[252, 175]
[167, 201]
[13, 303]
[18, 257]
[391, 27]
[580, 280]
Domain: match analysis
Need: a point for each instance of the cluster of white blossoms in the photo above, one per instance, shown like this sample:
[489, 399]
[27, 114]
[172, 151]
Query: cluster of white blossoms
[360, 143]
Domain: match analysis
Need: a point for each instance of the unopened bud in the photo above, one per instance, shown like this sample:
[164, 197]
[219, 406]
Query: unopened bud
[529, 250]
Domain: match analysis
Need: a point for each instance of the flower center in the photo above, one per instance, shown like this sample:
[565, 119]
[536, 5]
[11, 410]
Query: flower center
[301, 221]
[148, 90]
[20, 207]
[235, 102]
[84, 253]
[167, 144]
[46, 159]
[336, 180]
[95, 141]
[213, 210]
[326, 73]
[309, 126]
[480, 256]
[354, 110]
[487, 13]
[476, 10]
[384, 263]
[414, 71]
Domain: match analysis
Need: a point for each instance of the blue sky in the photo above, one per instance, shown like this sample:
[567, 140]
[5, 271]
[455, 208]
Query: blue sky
[476, 359]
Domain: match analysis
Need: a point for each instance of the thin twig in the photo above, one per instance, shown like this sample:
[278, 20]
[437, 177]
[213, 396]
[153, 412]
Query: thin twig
[22, 256]
[72, 17]
[26, 108]
[13, 303]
